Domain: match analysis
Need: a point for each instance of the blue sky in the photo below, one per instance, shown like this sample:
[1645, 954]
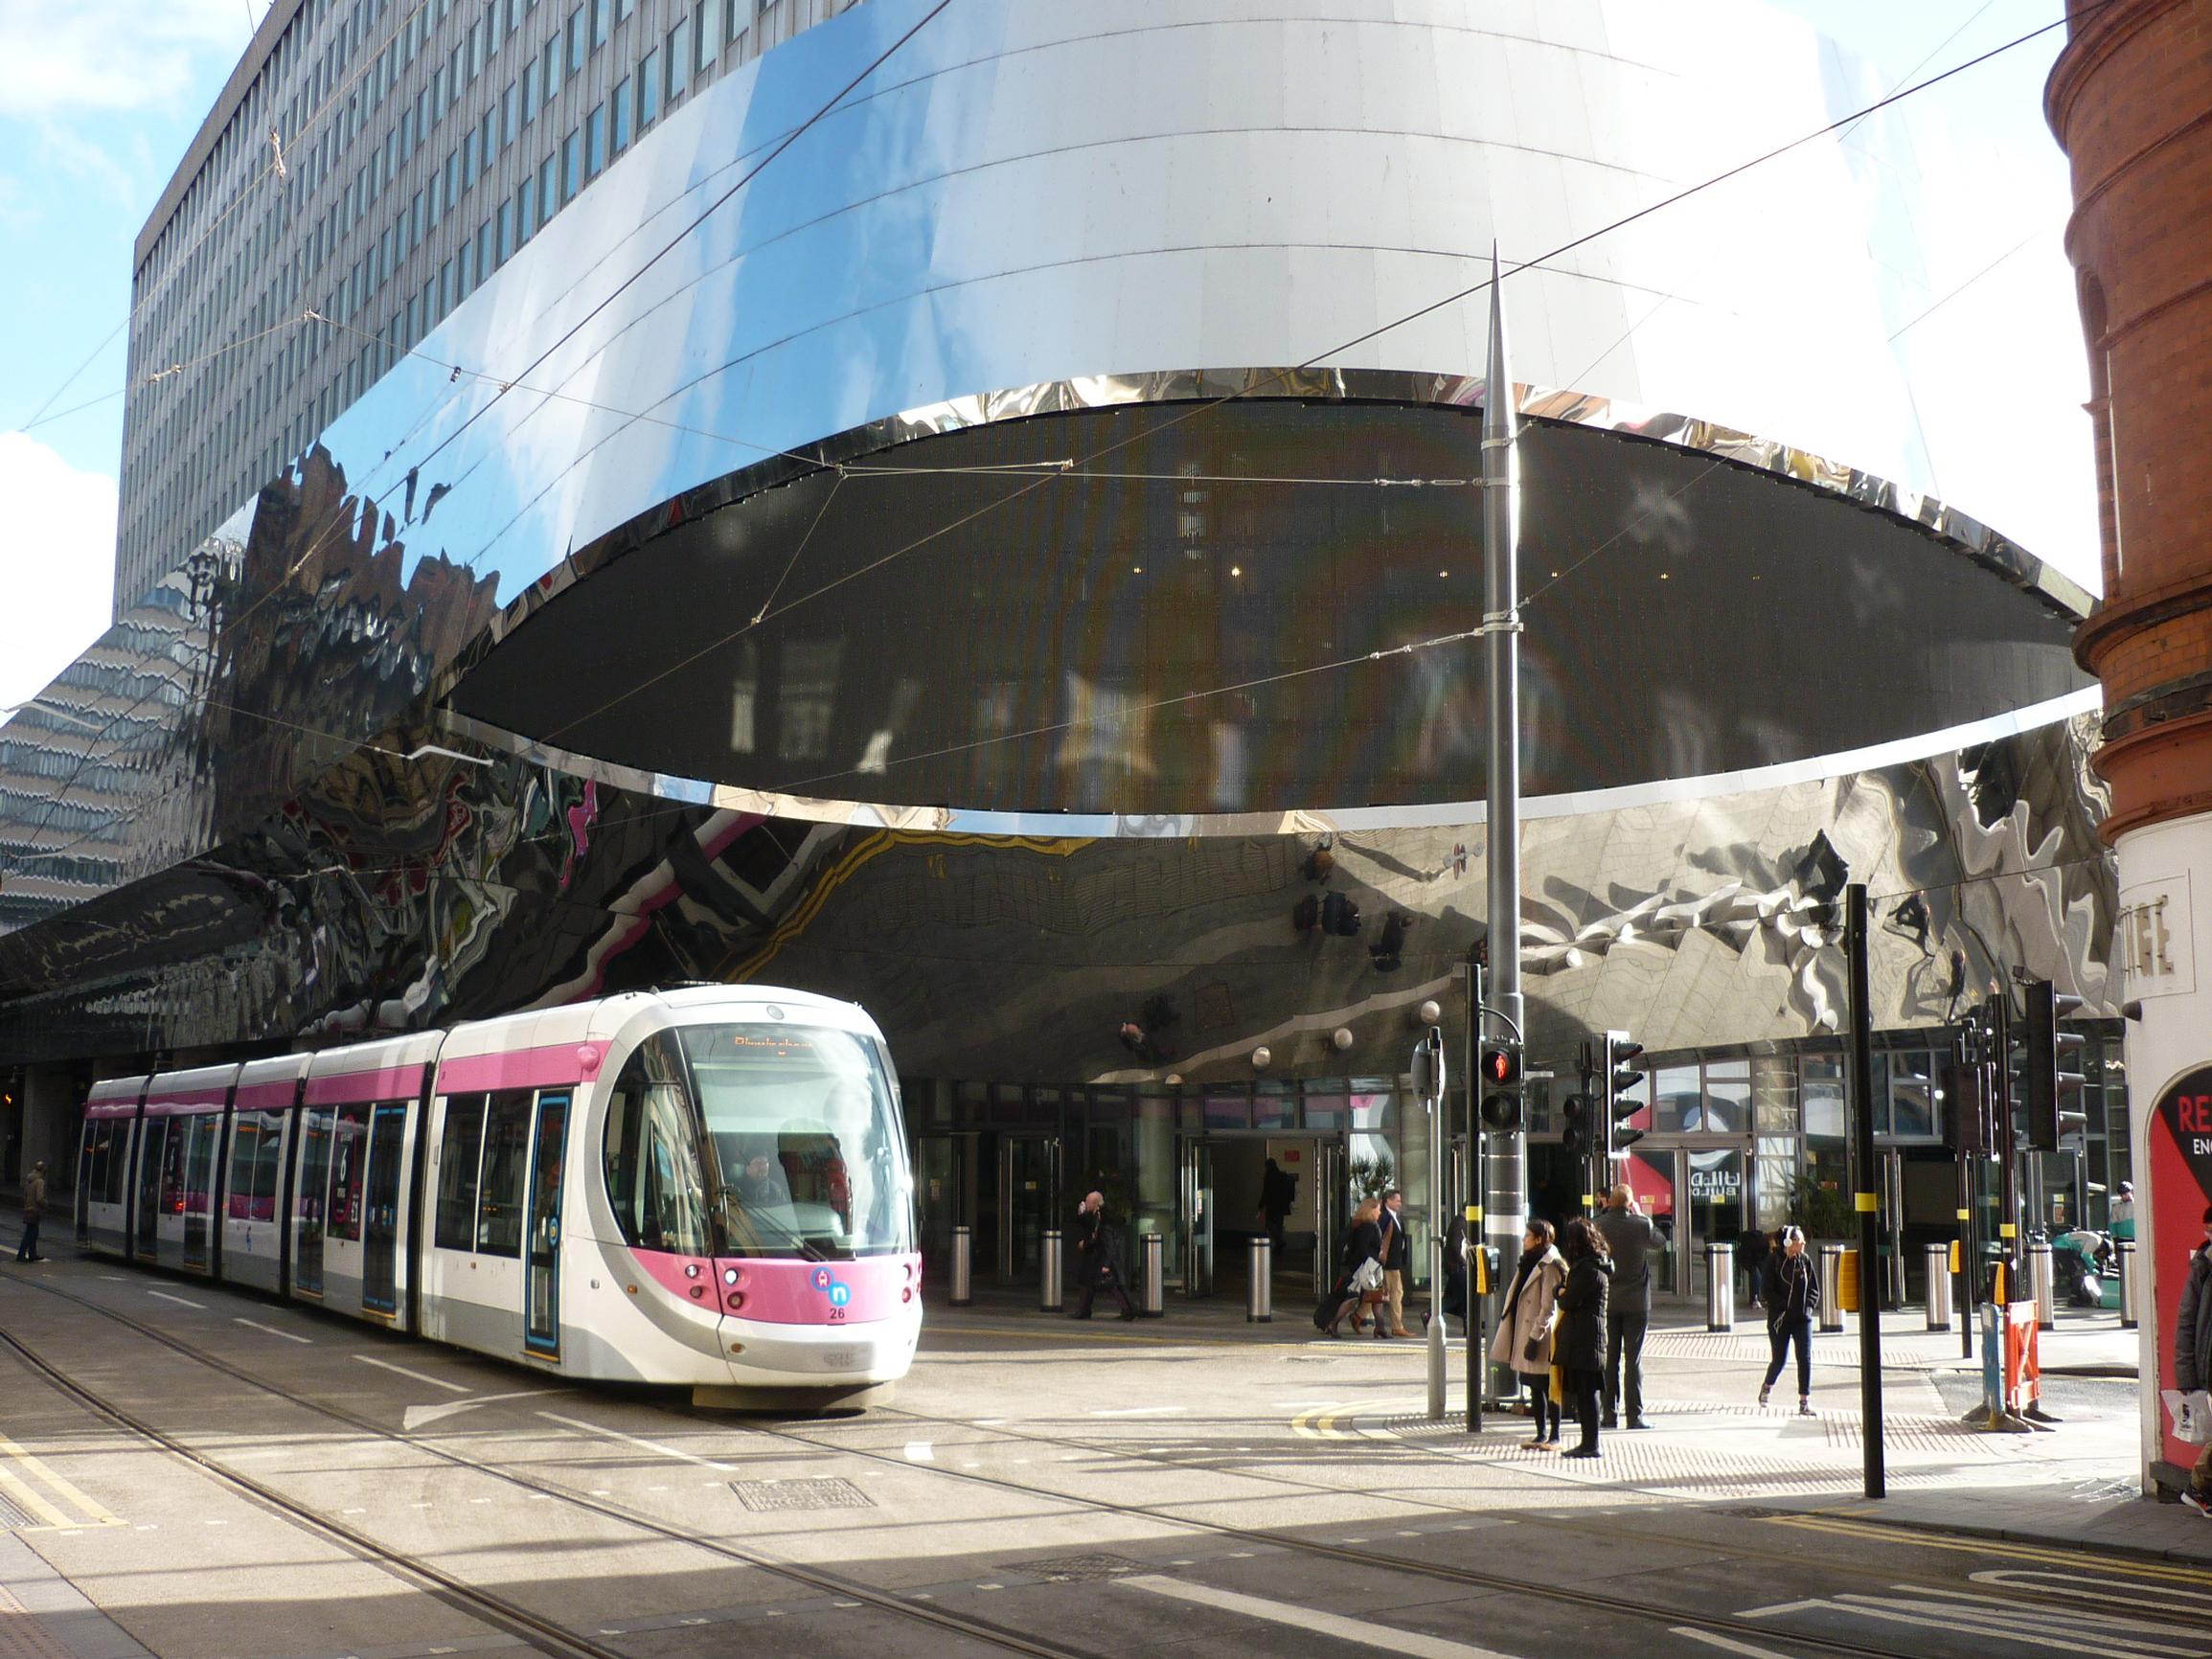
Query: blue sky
[100, 98]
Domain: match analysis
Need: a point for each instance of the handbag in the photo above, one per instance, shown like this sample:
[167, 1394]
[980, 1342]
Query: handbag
[1367, 1275]
[2191, 1410]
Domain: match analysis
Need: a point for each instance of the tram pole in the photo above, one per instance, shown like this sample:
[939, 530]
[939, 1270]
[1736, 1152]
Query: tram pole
[1865, 1189]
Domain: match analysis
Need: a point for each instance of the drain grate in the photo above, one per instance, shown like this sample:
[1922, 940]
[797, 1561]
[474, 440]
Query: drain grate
[11, 1516]
[1076, 1569]
[828, 1494]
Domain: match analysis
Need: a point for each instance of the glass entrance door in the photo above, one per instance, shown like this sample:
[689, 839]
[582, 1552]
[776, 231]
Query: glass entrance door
[1331, 1180]
[380, 1221]
[1194, 1218]
[941, 1193]
[1718, 1211]
[1028, 1202]
[541, 1319]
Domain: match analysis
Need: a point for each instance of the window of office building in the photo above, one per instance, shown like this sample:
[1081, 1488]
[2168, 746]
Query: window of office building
[571, 165]
[595, 143]
[649, 89]
[621, 116]
[529, 72]
[525, 196]
[601, 20]
[548, 198]
[509, 123]
[576, 40]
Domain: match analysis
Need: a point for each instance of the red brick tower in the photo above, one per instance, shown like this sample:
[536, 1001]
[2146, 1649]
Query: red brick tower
[2131, 100]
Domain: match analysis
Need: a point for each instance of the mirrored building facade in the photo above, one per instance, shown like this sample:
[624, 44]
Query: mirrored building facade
[974, 511]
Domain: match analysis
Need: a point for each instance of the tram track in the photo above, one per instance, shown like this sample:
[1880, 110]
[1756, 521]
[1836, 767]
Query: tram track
[1736, 1632]
[496, 1610]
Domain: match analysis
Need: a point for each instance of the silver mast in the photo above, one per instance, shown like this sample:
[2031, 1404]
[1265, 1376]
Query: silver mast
[1505, 1207]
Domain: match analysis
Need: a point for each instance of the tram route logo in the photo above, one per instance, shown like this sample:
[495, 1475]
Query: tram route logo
[839, 1293]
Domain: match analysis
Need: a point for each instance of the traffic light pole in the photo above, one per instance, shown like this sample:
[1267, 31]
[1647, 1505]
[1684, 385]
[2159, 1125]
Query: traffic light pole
[2008, 1153]
[1506, 1202]
[1472, 1242]
[1865, 1188]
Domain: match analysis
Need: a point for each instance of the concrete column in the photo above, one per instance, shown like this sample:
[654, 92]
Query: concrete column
[2165, 910]
[50, 1111]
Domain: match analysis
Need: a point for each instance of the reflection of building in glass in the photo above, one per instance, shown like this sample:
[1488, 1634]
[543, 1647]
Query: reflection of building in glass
[946, 598]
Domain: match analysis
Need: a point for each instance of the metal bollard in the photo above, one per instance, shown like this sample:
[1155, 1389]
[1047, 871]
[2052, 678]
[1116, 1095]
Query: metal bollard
[1049, 1289]
[1720, 1287]
[1831, 1287]
[1260, 1296]
[963, 1268]
[1154, 1301]
[2124, 1261]
[2040, 1285]
[1939, 1287]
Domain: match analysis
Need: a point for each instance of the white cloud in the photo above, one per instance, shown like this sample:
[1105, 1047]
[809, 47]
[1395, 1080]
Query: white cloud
[63, 57]
[57, 563]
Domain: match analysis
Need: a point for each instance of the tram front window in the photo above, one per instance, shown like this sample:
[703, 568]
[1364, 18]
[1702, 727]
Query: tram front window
[805, 1140]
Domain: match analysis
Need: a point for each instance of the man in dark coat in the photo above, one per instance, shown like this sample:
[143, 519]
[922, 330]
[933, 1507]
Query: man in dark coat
[1631, 1236]
[33, 1212]
[1278, 1192]
[1095, 1266]
[2192, 1356]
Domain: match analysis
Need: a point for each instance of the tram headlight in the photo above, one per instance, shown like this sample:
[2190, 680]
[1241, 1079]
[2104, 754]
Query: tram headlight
[729, 1275]
[735, 1299]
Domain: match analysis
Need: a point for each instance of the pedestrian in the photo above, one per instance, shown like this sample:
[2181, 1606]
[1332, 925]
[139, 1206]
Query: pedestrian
[1631, 1236]
[1792, 1293]
[1361, 1270]
[1579, 1345]
[33, 1212]
[2123, 1212]
[1278, 1192]
[1095, 1266]
[1397, 1258]
[2192, 1356]
[1526, 1325]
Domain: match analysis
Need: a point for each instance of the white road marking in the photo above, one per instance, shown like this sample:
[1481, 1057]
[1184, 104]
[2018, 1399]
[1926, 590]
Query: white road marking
[412, 1376]
[1358, 1631]
[1728, 1644]
[1962, 1614]
[421, 1416]
[2051, 1583]
[116, 1278]
[1143, 1411]
[651, 1446]
[180, 1301]
[256, 1325]
[921, 1452]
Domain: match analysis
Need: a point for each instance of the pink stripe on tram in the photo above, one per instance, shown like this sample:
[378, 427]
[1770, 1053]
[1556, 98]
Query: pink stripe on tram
[391, 1083]
[268, 1097]
[162, 1103]
[126, 1108]
[520, 1068]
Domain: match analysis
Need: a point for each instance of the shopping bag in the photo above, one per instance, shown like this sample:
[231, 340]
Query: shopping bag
[2192, 1413]
[1368, 1276]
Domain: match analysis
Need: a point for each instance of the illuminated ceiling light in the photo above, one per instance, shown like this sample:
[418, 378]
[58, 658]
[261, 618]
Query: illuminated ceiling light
[1235, 570]
[1444, 573]
[1137, 569]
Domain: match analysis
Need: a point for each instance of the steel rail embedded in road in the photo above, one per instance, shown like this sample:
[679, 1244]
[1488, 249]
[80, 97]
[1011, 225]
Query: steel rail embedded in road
[485, 1604]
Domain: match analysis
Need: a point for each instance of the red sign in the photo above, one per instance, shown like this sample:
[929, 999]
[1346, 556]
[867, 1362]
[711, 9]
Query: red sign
[2179, 1142]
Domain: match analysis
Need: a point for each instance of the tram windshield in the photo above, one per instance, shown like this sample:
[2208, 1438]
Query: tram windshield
[806, 1139]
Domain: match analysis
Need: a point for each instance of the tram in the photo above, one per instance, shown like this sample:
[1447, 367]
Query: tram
[704, 1187]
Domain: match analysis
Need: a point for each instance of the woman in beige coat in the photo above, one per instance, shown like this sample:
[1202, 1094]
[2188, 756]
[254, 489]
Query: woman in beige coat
[1526, 1327]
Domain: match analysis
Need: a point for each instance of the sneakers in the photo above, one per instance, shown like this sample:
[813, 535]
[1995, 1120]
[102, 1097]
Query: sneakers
[1805, 1408]
[2198, 1501]
[1762, 1394]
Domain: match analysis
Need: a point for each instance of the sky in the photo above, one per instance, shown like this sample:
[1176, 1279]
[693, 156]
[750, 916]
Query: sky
[100, 98]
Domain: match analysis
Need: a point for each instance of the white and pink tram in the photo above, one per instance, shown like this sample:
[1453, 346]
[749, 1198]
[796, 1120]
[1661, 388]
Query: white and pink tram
[704, 1187]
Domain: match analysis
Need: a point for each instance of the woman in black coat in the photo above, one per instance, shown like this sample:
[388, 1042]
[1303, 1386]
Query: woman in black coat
[1363, 1246]
[1579, 1347]
[1792, 1292]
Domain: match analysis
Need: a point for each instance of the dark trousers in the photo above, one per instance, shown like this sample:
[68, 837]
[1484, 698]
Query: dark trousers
[1780, 1335]
[1112, 1280]
[29, 1250]
[1542, 1408]
[1586, 1403]
[1625, 1362]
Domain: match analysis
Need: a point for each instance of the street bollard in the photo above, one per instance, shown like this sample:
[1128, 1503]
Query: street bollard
[1939, 1287]
[1720, 1287]
[1260, 1296]
[1049, 1290]
[963, 1268]
[1831, 1287]
[1155, 1299]
[2124, 1261]
[2041, 1286]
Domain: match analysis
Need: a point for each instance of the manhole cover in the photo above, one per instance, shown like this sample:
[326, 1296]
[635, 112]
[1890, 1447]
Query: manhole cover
[829, 1495]
[1076, 1569]
[12, 1517]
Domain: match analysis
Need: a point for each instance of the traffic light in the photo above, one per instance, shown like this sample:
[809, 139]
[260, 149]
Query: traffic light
[2046, 1089]
[1578, 1116]
[1966, 1124]
[1618, 1078]
[1500, 1066]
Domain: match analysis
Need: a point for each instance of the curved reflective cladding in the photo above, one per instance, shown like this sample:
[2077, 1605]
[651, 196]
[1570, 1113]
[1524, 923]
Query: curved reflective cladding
[391, 894]
[1229, 616]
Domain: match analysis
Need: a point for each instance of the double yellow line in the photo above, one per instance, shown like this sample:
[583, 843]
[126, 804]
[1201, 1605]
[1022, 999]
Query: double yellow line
[22, 1477]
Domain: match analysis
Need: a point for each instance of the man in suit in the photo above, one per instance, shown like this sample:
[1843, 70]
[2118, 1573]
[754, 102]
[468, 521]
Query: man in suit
[1631, 1236]
[1397, 1258]
[1095, 1266]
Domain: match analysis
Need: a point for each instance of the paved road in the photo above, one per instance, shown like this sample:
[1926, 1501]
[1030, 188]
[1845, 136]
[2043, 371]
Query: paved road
[1037, 1487]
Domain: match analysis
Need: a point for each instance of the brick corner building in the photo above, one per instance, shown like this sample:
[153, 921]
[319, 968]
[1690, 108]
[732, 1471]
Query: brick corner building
[2130, 102]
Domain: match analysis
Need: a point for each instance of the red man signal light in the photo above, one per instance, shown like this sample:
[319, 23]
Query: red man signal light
[1501, 1066]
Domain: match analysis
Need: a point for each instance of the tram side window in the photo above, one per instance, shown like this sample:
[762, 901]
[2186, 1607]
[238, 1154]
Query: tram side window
[505, 1162]
[348, 1169]
[267, 1166]
[245, 1146]
[458, 1151]
[653, 1177]
[98, 1137]
[118, 1187]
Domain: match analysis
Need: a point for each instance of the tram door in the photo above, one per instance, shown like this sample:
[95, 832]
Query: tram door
[381, 1220]
[153, 1148]
[308, 1200]
[541, 1314]
[202, 1134]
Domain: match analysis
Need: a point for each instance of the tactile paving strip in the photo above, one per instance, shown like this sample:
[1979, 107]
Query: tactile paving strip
[828, 1494]
[22, 1636]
